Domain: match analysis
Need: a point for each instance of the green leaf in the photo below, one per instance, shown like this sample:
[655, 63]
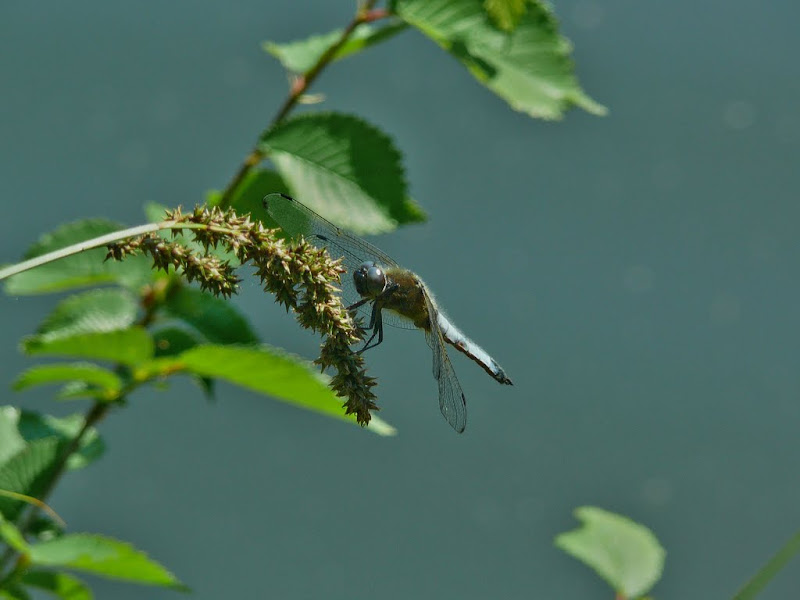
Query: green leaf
[60, 585]
[80, 270]
[102, 556]
[529, 68]
[27, 472]
[108, 309]
[217, 320]
[343, 168]
[300, 56]
[11, 591]
[128, 346]
[270, 371]
[506, 14]
[773, 566]
[11, 441]
[624, 553]
[35, 426]
[171, 341]
[12, 536]
[96, 381]
[252, 190]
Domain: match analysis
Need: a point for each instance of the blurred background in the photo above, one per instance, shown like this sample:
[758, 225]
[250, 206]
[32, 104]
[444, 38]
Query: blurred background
[636, 275]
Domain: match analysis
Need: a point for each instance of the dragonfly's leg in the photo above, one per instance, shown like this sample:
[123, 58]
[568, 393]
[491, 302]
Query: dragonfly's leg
[359, 303]
[390, 289]
[376, 324]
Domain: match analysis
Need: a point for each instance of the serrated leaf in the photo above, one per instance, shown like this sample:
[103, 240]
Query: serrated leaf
[27, 472]
[11, 441]
[217, 320]
[60, 585]
[270, 371]
[301, 55]
[107, 309]
[345, 169]
[35, 426]
[79, 270]
[624, 553]
[12, 536]
[529, 68]
[506, 14]
[102, 556]
[96, 382]
[128, 346]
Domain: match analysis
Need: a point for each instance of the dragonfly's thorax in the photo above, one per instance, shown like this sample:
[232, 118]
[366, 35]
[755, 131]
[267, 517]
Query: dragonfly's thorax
[408, 297]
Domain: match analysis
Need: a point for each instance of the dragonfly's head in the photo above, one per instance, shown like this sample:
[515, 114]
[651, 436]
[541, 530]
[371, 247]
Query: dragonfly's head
[370, 279]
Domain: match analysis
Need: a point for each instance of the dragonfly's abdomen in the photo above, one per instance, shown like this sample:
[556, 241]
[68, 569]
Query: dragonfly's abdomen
[461, 342]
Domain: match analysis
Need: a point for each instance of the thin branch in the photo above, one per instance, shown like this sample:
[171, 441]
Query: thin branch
[97, 242]
[773, 566]
[95, 414]
[80, 247]
[300, 86]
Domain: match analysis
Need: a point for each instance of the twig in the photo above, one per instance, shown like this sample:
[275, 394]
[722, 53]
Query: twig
[364, 14]
[97, 242]
[93, 416]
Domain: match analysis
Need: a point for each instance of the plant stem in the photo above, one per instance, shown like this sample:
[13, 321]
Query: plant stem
[93, 416]
[299, 87]
[760, 580]
[101, 241]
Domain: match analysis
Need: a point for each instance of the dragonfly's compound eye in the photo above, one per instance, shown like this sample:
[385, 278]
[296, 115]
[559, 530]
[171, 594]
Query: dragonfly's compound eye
[370, 279]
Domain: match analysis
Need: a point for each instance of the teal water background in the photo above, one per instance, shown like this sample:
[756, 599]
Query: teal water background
[636, 275]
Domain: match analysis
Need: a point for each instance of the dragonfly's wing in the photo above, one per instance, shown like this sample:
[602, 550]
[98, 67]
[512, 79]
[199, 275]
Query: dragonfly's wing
[297, 219]
[452, 402]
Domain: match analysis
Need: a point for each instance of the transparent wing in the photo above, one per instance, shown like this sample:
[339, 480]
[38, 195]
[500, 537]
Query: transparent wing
[297, 219]
[452, 402]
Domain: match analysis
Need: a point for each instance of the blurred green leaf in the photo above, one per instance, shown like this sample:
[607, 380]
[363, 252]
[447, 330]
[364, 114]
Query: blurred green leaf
[299, 56]
[270, 371]
[11, 591]
[217, 320]
[96, 381]
[345, 169]
[154, 212]
[44, 527]
[12, 536]
[102, 556]
[624, 553]
[171, 341]
[60, 585]
[35, 426]
[530, 68]
[11, 441]
[27, 472]
[506, 14]
[80, 270]
[128, 346]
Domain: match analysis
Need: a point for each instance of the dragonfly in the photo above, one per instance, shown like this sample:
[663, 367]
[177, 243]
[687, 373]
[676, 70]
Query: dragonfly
[381, 291]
